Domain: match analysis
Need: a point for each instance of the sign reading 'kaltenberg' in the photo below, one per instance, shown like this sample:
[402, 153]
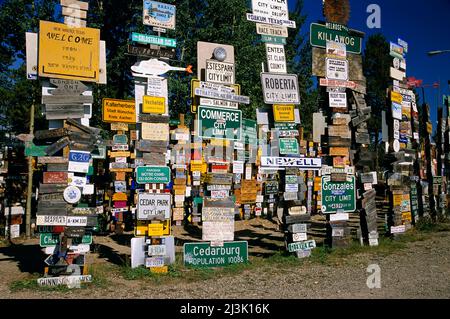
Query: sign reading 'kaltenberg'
[280, 88]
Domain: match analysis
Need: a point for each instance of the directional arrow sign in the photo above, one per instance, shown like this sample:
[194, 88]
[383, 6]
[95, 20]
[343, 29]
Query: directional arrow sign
[67, 87]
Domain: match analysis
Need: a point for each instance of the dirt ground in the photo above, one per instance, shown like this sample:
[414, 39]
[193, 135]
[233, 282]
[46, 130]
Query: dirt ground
[421, 270]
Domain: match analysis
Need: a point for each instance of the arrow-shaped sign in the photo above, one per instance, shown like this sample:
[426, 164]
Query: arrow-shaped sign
[67, 87]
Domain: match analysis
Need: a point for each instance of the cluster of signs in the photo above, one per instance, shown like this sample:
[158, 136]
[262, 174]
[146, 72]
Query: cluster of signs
[65, 55]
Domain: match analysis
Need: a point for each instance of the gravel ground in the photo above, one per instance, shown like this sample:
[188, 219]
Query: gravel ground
[422, 270]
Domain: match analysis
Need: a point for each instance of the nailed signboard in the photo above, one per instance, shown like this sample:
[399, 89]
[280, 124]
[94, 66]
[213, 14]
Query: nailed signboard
[302, 163]
[276, 59]
[69, 53]
[153, 175]
[145, 51]
[159, 14]
[55, 177]
[204, 255]
[155, 131]
[219, 123]
[219, 72]
[153, 206]
[284, 113]
[320, 34]
[120, 111]
[271, 30]
[280, 88]
[338, 196]
[336, 69]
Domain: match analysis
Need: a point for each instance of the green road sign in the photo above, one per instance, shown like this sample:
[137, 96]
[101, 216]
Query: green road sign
[320, 34]
[48, 240]
[203, 255]
[35, 150]
[250, 134]
[338, 196]
[272, 39]
[153, 175]
[151, 39]
[219, 123]
[289, 146]
[120, 139]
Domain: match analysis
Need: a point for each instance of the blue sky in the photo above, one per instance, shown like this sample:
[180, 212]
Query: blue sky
[426, 27]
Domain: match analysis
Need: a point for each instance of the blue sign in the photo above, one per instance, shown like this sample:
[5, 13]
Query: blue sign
[79, 156]
[159, 14]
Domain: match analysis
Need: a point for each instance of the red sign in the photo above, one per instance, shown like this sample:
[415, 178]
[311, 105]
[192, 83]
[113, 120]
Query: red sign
[55, 177]
[120, 204]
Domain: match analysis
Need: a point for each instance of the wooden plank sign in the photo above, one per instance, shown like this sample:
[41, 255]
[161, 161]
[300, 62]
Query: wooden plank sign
[339, 151]
[55, 177]
[64, 111]
[341, 131]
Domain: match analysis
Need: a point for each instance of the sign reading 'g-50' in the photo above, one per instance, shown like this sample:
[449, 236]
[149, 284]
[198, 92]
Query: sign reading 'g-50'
[280, 88]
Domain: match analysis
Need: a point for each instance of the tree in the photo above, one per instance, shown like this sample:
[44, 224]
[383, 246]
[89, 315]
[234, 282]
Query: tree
[376, 64]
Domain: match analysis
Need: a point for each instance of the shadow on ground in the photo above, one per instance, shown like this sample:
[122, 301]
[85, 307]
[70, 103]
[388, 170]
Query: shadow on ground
[30, 258]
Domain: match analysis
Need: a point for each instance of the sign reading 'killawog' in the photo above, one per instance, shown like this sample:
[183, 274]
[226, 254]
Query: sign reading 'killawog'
[280, 88]
[219, 123]
[338, 196]
[153, 175]
[320, 34]
[203, 255]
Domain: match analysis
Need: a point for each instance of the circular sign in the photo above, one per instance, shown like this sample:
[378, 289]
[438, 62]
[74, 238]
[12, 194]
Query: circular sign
[397, 63]
[396, 146]
[396, 125]
[72, 194]
[220, 54]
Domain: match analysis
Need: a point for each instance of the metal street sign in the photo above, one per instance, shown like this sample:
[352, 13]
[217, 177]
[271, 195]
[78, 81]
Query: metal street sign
[153, 206]
[338, 196]
[219, 123]
[119, 111]
[302, 163]
[271, 30]
[151, 39]
[280, 88]
[48, 240]
[220, 72]
[272, 39]
[153, 175]
[214, 94]
[204, 255]
[276, 59]
[145, 51]
[320, 34]
[302, 245]
[272, 21]
[289, 146]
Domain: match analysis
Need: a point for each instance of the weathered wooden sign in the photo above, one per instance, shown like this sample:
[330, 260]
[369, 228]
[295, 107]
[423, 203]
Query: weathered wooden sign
[57, 146]
[54, 177]
[146, 51]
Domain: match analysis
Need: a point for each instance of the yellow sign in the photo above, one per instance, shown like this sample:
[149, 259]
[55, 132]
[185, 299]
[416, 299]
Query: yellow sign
[159, 270]
[154, 105]
[398, 200]
[199, 166]
[140, 230]
[166, 227]
[155, 229]
[284, 113]
[118, 197]
[119, 111]
[69, 53]
[396, 97]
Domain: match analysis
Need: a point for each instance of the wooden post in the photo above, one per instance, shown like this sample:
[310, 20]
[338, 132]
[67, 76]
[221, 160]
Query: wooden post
[30, 179]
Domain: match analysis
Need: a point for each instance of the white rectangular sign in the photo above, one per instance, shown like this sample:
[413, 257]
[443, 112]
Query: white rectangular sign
[154, 262]
[299, 237]
[338, 100]
[219, 194]
[77, 221]
[218, 231]
[290, 196]
[280, 88]
[157, 250]
[150, 206]
[45, 220]
[300, 162]
[277, 9]
[218, 103]
[291, 188]
[219, 72]
[337, 69]
[276, 59]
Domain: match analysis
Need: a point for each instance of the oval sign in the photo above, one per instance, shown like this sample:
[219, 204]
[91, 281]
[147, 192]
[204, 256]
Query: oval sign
[72, 194]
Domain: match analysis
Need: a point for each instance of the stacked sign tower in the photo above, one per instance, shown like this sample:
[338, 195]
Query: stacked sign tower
[69, 56]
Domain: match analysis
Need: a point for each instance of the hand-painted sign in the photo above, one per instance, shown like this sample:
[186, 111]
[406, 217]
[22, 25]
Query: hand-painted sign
[151, 39]
[219, 123]
[271, 30]
[119, 111]
[153, 175]
[69, 53]
[338, 196]
[203, 255]
[320, 34]
[302, 163]
[280, 88]
[153, 206]
[159, 14]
